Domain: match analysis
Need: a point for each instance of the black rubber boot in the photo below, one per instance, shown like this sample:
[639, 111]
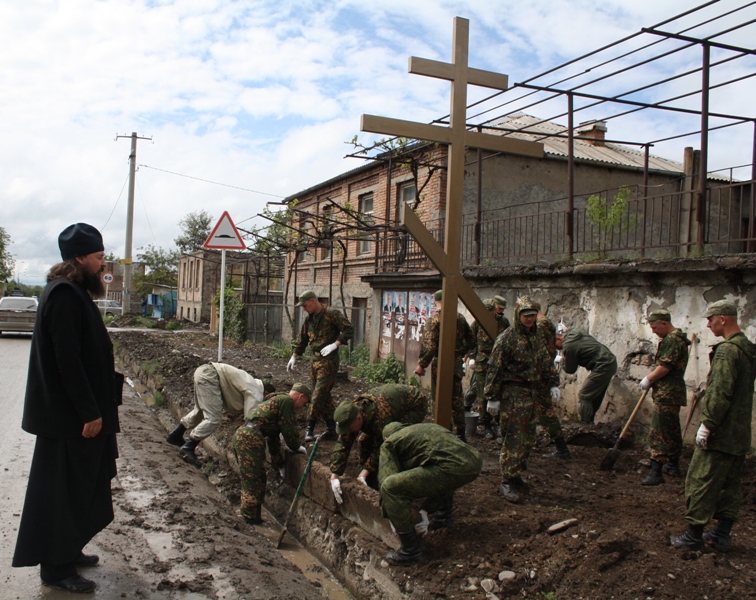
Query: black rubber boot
[442, 518]
[672, 467]
[561, 451]
[509, 488]
[256, 519]
[411, 550]
[330, 432]
[691, 539]
[654, 476]
[719, 537]
[461, 434]
[176, 437]
[310, 431]
[187, 452]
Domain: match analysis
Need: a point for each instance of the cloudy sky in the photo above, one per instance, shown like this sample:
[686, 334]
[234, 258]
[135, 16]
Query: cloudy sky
[261, 95]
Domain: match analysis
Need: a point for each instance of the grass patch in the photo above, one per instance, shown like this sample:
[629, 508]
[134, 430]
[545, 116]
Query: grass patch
[107, 319]
[280, 350]
[150, 366]
[173, 326]
[389, 370]
[148, 323]
[159, 399]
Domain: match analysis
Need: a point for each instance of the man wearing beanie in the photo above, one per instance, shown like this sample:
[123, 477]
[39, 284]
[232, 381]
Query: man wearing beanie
[71, 405]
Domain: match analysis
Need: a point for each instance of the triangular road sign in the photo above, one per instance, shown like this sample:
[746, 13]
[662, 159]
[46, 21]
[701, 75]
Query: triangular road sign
[225, 236]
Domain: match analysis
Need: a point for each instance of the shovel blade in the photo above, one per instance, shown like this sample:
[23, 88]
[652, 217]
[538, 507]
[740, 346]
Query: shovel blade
[610, 459]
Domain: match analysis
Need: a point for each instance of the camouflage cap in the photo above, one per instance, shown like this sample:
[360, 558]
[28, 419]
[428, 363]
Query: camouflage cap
[659, 315]
[302, 389]
[305, 296]
[500, 301]
[344, 415]
[392, 428]
[528, 306]
[437, 296]
[726, 308]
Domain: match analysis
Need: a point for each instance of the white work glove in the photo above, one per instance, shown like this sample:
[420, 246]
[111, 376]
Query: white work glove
[282, 471]
[645, 384]
[292, 363]
[328, 349]
[471, 363]
[702, 436]
[555, 394]
[362, 477]
[302, 450]
[493, 407]
[558, 360]
[336, 488]
[422, 527]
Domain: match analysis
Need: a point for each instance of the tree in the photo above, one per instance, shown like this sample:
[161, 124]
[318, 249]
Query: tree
[606, 216]
[195, 229]
[6, 259]
[161, 267]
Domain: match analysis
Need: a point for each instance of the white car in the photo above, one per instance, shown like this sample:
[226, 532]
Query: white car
[109, 308]
[17, 313]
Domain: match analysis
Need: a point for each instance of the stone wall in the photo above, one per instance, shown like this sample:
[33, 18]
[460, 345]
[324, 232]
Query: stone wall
[609, 301]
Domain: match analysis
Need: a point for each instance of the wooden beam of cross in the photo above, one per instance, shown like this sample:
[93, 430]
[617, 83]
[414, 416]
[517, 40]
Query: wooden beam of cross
[457, 136]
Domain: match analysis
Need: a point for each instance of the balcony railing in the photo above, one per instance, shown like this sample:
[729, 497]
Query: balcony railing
[651, 226]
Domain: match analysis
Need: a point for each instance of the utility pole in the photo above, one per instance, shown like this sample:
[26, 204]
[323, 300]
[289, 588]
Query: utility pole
[127, 259]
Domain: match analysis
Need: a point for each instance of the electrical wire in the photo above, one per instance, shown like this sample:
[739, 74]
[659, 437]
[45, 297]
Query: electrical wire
[116, 202]
[236, 187]
[146, 216]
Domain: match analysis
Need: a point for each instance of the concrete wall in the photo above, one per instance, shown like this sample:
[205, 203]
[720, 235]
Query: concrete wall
[610, 301]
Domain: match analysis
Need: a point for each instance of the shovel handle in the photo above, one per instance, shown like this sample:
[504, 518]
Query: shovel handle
[632, 416]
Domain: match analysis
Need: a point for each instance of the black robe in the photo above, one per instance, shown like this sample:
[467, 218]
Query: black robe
[71, 381]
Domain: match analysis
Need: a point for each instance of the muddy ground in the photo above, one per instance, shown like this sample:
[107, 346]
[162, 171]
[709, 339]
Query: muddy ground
[618, 548]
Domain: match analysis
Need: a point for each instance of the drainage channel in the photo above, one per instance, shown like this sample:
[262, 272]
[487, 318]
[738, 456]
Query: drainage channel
[290, 548]
[297, 555]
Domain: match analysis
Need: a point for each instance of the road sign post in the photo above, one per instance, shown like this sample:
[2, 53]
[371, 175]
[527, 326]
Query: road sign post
[224, 236]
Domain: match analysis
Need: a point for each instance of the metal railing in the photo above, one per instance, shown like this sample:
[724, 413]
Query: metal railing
[649, 226]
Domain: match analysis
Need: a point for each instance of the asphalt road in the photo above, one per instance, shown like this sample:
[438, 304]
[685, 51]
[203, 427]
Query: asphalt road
[16, 449]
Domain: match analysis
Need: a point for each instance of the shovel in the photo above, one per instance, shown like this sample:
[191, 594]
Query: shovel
[613, 455]
[299, 490]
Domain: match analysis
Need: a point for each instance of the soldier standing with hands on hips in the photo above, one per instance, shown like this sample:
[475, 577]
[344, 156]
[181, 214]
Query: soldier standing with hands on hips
[324, 330]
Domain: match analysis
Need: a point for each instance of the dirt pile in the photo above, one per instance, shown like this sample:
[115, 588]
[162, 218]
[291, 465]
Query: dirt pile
[615, 544]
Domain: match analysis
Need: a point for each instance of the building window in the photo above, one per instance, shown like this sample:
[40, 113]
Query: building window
[326, 228]
[304, 240]
[366, 215]
[407, 192]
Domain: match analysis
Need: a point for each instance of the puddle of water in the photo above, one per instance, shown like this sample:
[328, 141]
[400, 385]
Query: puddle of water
[296, 554]
[134, 492]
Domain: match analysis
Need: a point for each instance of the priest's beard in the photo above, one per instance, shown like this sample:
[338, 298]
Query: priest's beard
[92, 282]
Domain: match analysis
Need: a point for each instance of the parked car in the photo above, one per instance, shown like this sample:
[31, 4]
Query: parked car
[109, 308]
[17, 313]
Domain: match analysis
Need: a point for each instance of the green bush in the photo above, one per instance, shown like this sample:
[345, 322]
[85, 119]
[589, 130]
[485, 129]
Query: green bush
[280, 350]
[107, 319]
[390, 370]
[148, 323]
[234, 316]
[158, 399]
[150, 366]
[172, 326]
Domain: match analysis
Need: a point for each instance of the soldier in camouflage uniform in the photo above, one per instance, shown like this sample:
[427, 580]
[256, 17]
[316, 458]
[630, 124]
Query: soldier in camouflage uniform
[583, 350]
[364, 419]
[478, 378]
[519, 364]
[421, 461]
[667, 381]
[712, 485]
[267, 422]
[547, 417]
[324, 330]
[429, 356]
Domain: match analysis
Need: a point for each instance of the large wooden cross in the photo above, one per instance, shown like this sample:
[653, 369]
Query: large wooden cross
[457, 136]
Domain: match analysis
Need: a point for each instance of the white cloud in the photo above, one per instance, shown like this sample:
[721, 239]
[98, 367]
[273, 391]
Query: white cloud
[262, 95]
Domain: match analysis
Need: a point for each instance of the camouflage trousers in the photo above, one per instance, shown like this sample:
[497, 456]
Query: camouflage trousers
[594, 388]
[547, 417]
[249, 445]
[665, 437]
[434, 482]
[458, 399]
[518, 428]
[323, 374]
[712, 486]
[475, 393]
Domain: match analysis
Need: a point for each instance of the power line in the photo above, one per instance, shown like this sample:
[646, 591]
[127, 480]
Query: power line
[236, 187]
[116, 203]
